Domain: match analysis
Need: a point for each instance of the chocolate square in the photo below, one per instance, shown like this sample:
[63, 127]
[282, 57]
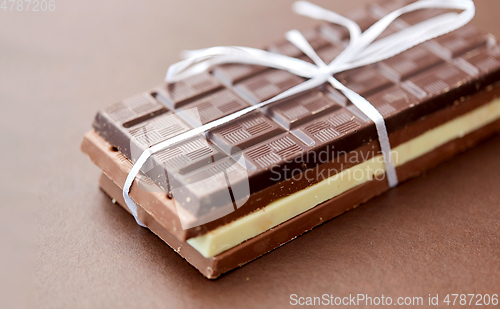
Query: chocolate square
[267, 85]
[364, 80]
[177, 94]
[409, 63]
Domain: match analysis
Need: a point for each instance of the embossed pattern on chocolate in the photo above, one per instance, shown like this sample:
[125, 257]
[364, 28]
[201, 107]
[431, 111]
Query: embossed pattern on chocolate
[292, 113]
[459, 42]
[247, 131]
[177, 94]
[481, 61]
[212, 107]
[409, 63]
[135, 109]
[232, 72]
[393, 101]
[364, 81]
[267, 85]
[437, 80]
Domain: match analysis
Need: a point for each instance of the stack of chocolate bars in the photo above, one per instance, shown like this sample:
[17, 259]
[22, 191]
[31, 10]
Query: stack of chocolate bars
[245, 188]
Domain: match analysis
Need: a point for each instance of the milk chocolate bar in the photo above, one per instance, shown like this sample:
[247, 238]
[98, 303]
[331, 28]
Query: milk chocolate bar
[430, 96]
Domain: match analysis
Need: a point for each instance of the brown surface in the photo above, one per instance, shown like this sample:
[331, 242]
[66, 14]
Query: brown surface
[65, 245]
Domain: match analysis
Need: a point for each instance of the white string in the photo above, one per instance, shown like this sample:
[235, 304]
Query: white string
[361, 50]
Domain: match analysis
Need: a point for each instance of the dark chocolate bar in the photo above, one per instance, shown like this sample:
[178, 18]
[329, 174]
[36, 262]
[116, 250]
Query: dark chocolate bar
[404, 88]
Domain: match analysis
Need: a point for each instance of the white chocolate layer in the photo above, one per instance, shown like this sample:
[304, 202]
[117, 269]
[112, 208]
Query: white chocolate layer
[251, 225]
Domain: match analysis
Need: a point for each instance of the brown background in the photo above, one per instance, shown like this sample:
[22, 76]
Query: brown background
[64, 245]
